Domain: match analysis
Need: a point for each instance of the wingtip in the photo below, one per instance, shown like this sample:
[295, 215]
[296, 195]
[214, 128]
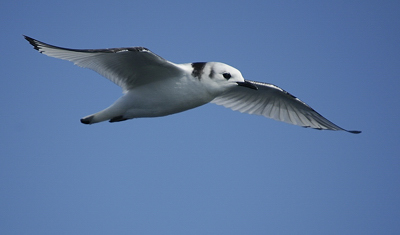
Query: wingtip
[87, 120]
[32, 41]
[29, 39]
[355, 132]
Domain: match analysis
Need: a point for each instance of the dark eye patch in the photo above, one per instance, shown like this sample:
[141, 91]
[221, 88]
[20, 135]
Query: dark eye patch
[227, 75]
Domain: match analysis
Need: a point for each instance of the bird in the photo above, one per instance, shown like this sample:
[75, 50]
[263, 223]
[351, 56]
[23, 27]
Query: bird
[155, 87]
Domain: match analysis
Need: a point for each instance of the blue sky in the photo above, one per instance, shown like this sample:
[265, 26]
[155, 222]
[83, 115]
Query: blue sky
[208, 170]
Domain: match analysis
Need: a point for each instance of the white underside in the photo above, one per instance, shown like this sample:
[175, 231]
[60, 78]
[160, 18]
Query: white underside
[157, 99]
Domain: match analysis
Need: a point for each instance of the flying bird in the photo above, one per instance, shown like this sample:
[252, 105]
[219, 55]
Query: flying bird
[154, 87]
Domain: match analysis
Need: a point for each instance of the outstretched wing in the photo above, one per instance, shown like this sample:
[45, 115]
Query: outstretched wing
[127, 67]
[273, 102]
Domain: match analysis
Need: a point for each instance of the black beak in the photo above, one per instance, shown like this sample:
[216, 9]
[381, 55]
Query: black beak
[248, 85]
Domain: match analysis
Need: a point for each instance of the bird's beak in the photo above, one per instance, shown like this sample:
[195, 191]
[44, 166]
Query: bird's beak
[248, 85]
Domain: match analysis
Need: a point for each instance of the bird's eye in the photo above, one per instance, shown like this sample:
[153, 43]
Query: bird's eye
[227, 76]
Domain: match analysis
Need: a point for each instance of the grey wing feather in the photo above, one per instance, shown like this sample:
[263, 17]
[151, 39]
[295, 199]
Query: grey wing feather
[273, 102]
[127, 67]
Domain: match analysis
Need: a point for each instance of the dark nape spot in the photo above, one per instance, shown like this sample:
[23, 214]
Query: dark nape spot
[212, 73]
[198, 69]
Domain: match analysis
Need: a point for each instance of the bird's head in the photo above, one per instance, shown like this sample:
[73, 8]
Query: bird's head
[222, 76]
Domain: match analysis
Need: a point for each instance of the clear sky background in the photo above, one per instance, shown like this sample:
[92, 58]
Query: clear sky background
[209, 170]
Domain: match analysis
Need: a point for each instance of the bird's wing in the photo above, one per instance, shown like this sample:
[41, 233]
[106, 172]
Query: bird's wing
[127, 67]
[273, 102]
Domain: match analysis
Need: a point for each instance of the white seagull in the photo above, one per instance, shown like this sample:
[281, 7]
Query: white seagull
[154, 87]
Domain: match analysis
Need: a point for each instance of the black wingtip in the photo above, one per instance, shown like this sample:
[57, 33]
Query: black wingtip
[355, 132]
[87, 120]
[32, 41]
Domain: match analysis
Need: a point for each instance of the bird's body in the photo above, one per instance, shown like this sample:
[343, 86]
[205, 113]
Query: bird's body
[137, 102]
[154, 87]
